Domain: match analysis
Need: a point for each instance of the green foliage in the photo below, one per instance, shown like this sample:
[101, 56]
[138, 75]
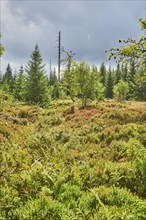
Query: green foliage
[5, 97]
[19, 89]
[109, 85]
[121, 90]
[70, 82]
[89, 86]
[66, 162]
[132, 52]
[86, 165]
[84, 85]
[55, 86]
[36, 82]
[124, 72]
[103, 74]
[141, 86]
[118, 74]
[131, 79]
[8, 79]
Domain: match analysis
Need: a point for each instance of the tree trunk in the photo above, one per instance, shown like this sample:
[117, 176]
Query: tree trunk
[84, 102]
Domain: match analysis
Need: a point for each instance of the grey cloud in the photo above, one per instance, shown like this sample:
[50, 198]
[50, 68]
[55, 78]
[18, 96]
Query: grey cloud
[87, 27]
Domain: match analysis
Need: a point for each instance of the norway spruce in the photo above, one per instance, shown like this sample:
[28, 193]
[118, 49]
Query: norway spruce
[36, 81]
[109, 85]
[8, 80]
[19, 91]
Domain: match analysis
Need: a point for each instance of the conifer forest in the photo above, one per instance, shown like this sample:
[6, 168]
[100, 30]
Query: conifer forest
[73, 143]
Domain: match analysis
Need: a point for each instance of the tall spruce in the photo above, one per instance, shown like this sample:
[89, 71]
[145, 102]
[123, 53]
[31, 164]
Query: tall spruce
[118, 74]
[54, 84]
[103, 74]
[36, 81]
[141, 85]
[131, 78]
[19, 90]
[125, 72]
[8, 78]
[53, 77]
[109, 85]
[98, 89]
[1, 76]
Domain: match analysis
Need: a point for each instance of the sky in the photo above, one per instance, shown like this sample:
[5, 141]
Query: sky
[88, 28]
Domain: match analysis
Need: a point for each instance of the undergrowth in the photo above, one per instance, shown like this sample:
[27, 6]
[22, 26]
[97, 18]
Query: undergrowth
[82, 166]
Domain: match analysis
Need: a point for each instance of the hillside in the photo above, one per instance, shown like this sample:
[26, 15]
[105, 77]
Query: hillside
[89, 165]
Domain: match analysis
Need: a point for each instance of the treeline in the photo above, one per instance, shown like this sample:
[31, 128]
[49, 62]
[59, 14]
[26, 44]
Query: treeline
[79, 80]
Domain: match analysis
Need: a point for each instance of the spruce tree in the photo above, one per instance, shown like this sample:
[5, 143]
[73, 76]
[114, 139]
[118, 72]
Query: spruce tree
[125, 72]
[8, 78]
[131, 79]
[36, 81]
[117, 74]
[53, 77]
[19, 91]
[97, 88]
[1, 77]
[109, 85]
[141, 86]
[103, 74]
[54, 83]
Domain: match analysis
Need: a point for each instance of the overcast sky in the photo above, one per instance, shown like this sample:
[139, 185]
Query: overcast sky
[87, 28]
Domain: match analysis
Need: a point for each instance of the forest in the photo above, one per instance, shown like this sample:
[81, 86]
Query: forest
[73, 146]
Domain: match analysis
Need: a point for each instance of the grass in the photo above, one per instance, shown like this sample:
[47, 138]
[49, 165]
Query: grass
[87, 165]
